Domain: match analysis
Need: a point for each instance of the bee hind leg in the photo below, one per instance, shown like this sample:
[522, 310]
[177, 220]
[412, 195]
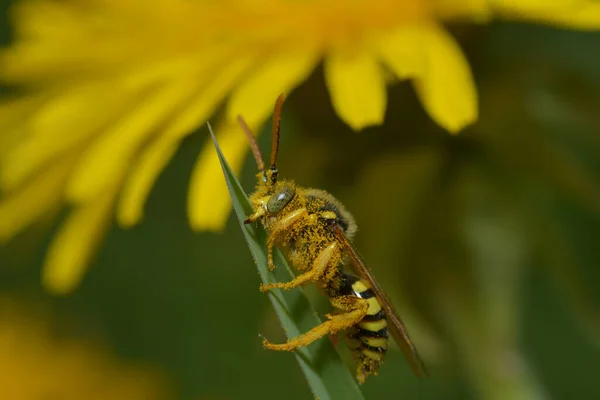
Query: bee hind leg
[355, 310]
[320, 266]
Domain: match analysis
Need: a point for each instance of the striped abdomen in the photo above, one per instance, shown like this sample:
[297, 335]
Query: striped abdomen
[369, 338]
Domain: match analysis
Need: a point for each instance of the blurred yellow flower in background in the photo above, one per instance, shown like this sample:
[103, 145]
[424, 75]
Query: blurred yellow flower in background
[104, 92]
[37, 363]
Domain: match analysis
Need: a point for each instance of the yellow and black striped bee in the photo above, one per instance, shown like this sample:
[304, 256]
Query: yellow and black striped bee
[316, 232]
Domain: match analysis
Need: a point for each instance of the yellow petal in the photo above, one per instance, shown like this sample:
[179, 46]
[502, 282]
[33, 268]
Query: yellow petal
[60, 41]
[12, 114]
[74, 245]
[20, 209]
[110, 156]
[579, 14]
[207, 62]
[209, 203]
[254, 99]
[158, 153]
[401, 50]
[532, 8]
[62, 123]
[443, 78]
[357, 87]
[143, 176]
[35, 22]
[586, 17]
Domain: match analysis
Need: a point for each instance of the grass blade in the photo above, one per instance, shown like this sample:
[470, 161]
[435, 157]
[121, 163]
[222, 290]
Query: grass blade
[326, 374]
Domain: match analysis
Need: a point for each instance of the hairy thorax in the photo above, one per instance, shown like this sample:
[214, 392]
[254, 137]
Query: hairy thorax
[306, 239]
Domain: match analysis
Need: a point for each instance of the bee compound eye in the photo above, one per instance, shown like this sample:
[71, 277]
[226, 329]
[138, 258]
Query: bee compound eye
[280, 199]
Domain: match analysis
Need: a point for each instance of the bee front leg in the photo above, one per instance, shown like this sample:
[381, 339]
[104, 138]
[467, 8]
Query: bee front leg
[356, 309]
[281, 226]
[320, 265]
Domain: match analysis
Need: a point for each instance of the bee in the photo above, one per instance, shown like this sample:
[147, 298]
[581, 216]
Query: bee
[315, 231]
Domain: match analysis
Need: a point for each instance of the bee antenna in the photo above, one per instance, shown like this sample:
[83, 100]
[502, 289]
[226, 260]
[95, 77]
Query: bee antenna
[276, 127]
[255, 150]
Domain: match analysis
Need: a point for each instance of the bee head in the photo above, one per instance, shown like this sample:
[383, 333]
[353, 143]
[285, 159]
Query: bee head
[271, 199]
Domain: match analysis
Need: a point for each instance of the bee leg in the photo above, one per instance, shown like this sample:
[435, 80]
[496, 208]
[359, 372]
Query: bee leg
[319, 268]
[284, 224]
[355, 310]
[314, 274]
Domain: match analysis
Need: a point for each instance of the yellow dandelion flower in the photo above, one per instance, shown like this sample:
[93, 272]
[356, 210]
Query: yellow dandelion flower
[36, 364]
[105, 91]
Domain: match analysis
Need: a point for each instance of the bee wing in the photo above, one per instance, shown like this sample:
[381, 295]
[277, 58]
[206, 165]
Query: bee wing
[395, 324]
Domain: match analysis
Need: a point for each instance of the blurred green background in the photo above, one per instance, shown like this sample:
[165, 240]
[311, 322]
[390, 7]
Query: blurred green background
[488, 240]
